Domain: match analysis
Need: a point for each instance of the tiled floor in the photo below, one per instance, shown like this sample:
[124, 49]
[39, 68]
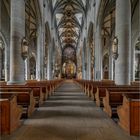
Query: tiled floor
[69, 115]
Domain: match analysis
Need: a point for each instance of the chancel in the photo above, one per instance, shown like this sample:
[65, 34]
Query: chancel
[69, 69]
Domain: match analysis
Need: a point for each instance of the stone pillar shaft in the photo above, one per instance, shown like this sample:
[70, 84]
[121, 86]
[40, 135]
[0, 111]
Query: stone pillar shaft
[83, 62]
[40, 53]
[98, 55]
[16, 36]
[83, 66]
[88, 63]
[111, 64]
[49, 62]
[123, 32]
[27, 69]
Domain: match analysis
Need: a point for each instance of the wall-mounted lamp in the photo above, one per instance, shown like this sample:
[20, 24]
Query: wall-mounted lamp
[24, 48]
[115, 48]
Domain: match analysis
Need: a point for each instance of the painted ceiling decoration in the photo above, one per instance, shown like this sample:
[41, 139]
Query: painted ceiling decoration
[69, 54]
[31, 18]
[69, 20]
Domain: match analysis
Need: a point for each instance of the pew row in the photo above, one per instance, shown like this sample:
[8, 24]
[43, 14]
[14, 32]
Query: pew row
[37, 91]
[129, 113]
[114, 98]
[24, 99]
[101, 91]
[10, 114]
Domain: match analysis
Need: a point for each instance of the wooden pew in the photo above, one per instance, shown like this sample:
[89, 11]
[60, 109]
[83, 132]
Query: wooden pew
[114, 98]
[100, 87]
[10, 114]
[49, 88]
[37, 91]
[42, 85]
[2, 83]
[24, 99]
[135, 83]
[101, 91]
[91, 88]
[129, 113]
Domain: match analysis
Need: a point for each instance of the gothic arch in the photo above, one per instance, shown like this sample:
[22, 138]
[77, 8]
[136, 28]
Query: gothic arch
[33, 18]
[90, 51]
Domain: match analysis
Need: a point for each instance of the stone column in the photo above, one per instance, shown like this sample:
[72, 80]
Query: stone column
[111, 65]
[41, 44]
[88, 63]
[83, 62]
[6, 65]
[27, 69]
[123, 32]
[40, 53]
[49, 62]
[16, 35]
[98, 55]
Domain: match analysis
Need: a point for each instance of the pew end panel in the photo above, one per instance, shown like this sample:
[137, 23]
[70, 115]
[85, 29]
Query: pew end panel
[129, 113]
[135, 117]
[10, 115]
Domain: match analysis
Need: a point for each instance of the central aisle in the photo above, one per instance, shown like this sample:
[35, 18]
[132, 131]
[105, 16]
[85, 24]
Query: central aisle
[69, 115]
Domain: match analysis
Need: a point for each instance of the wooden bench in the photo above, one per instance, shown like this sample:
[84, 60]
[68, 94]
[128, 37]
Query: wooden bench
[37, 91]
[113, 98]
[10, 114]
[24, 98]
[135, 83]
[129, 113]
[2, 83]
[100, 88]
[101, 91]
[42, 85]
[49, 88]
[91, 89]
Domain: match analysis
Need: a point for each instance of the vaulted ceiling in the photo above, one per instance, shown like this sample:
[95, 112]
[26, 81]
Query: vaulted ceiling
[69, 19]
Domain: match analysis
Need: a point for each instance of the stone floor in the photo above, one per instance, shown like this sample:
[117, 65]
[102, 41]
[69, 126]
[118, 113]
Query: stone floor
[69, 115]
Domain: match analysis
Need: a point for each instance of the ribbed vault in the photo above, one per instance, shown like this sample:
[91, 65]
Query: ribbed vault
[69, 20]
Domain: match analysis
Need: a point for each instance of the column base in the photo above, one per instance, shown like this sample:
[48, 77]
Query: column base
[16, 82]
